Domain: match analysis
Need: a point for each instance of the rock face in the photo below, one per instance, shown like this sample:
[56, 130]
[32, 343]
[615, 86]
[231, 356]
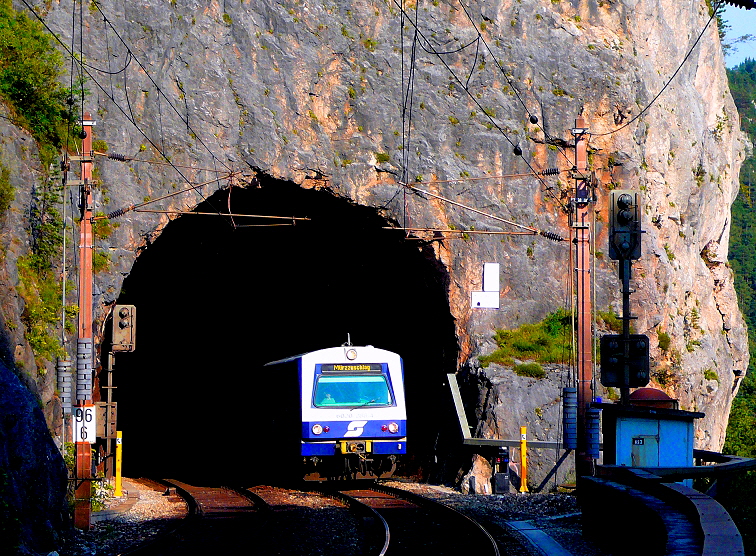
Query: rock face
[33, 479]
[353, 97]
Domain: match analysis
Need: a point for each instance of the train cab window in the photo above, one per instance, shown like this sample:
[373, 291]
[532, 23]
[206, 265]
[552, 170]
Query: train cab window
[352, 391]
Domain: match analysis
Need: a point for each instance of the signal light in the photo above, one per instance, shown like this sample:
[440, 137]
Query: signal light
[624, 226]
[124, 328]
[614, 361]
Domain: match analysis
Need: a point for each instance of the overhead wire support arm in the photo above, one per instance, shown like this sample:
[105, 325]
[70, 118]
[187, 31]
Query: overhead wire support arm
[295, 218]
[532, 230]
[122, 211]
[462, 231]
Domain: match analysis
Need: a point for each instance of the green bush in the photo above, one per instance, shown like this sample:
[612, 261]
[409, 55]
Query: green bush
[611, 319]
[6, 189]
[664, 341]
[533, 370]
[548, 341]
[29, 72]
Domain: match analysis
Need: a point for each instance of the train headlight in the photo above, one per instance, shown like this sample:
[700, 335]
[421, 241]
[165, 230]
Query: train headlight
[351, 354]
[393, 428]
[317, 429]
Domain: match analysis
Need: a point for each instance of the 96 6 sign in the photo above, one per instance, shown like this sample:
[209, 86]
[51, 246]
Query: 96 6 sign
[85, 424]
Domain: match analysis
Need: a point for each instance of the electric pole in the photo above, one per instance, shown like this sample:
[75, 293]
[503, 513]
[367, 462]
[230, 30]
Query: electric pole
[85, 426]
[581, 225]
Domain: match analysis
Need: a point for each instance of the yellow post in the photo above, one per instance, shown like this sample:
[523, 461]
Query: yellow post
[523, 459]
[118, 461]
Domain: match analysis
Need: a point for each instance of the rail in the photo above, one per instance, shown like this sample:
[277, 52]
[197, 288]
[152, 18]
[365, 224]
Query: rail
[381, 531]
[194, 512]
[438, 506]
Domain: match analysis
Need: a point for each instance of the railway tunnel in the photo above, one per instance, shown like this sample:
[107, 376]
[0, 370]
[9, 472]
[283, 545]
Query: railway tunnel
[216, 301]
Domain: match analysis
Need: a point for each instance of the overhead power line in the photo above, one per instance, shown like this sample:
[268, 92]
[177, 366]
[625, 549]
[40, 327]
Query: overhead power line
[475, 100]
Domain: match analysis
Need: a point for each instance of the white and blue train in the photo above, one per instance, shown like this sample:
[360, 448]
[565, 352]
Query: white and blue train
[352, 420]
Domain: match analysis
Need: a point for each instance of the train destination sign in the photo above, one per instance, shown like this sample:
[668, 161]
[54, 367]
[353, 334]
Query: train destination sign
[350, 367]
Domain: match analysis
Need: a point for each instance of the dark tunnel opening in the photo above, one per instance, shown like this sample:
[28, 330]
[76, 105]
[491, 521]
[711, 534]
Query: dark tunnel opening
[215, 303]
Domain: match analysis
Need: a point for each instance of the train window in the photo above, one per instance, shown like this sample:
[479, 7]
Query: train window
[352, 391]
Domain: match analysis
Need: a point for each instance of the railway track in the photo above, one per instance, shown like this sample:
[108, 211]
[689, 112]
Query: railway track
[363, 519]
[217, 521]
[417, 525]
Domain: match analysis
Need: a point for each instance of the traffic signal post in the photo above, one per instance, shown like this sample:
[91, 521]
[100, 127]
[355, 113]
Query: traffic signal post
[624, 357]
[123, 339]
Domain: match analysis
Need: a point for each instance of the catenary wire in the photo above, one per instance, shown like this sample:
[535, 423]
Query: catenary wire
[472, 97]
[157, 87]
[549, 139]
[685, 59]
[130, 115]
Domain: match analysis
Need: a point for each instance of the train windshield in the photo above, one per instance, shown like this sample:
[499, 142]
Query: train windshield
[352, 391]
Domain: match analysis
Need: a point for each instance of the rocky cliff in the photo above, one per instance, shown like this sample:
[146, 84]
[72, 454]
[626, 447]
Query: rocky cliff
[312, 93]
[351, 98]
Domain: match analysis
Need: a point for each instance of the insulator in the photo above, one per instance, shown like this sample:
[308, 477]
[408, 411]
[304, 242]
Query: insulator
[550, 172]
[116, 213]
[552, 236]
[533, 119]
[592, 432]
[116, 156]
[569, 418]
[517, 151]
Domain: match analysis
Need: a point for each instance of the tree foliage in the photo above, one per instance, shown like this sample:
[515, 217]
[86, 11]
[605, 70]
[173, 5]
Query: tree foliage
[29, 72]
[739, 496]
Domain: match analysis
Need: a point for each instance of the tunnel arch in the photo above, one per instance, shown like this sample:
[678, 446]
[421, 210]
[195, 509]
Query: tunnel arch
[215, 302]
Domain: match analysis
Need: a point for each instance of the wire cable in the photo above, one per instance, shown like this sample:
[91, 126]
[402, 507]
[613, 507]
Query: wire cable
[130, 115]
[532, 118]
[715, 8]
[157, 87]
[472, 97]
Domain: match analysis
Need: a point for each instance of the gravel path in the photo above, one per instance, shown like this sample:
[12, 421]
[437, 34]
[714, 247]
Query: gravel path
[151, 514]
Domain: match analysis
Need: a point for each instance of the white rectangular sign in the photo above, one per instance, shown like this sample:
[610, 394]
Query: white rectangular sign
[490, 277]
[85, 424]
[485, 300]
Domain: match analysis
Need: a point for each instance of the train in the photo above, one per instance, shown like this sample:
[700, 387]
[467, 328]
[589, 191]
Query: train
[350, 420]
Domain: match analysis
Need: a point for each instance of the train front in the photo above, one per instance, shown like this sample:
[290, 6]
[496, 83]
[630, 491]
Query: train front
[354, 418]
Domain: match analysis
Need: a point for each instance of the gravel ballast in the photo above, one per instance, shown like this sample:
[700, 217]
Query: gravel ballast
[147, 513]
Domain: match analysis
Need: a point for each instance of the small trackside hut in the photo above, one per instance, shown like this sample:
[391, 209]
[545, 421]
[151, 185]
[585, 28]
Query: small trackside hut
[352, 419]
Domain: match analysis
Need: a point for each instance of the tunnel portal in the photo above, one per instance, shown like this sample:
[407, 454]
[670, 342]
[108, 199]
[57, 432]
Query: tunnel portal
[216, 302]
